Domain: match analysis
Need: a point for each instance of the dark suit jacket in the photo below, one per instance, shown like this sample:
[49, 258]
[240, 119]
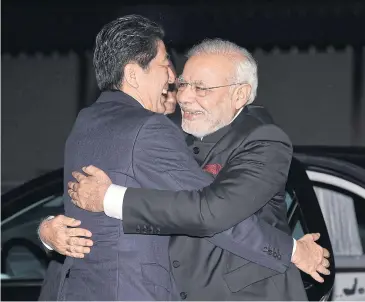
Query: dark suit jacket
[137, 148]
[255, 159]
[119, 266]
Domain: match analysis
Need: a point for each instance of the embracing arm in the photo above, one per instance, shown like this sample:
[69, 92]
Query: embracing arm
[168, 163]
[262, 151]
[172, 165]
[256, 172]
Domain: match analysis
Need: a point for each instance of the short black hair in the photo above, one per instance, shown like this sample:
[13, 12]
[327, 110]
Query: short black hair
[131, 38]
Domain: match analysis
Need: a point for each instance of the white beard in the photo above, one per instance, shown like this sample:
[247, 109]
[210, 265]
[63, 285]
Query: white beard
[195, 131]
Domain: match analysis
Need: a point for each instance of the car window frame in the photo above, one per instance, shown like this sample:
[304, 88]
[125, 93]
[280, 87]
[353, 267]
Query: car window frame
[30, 193]
[25, 198]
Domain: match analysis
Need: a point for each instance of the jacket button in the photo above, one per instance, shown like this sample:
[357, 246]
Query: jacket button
[175, 264]
[144, 229]
[138, 229]
[183, 295]
[196, 150]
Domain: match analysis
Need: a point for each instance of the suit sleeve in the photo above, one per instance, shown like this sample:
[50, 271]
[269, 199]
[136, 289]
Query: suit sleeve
[256, 172]
[172, 166]
[258, 241]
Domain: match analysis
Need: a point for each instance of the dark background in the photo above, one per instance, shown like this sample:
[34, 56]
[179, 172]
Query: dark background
[310, 56]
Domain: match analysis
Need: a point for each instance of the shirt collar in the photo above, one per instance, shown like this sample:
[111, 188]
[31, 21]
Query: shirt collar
[237, 114]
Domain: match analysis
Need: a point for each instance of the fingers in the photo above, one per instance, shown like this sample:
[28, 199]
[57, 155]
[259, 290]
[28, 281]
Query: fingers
[315, 236]
[74, 196]
[99, 174]
[74, 255]
[92, 170]
[325, 263]
[73, 185]
[78, 232]
[70, 222]
[77, 249]
[310, 237]
[317, 277]
[79, 176]
[326, 253]
[83, 242]
[324, 271]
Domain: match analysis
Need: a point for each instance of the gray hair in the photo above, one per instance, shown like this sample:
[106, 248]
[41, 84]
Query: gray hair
[246, 70]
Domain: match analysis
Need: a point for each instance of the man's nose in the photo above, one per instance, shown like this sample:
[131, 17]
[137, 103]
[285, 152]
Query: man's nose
[188, 92]
[186, 96]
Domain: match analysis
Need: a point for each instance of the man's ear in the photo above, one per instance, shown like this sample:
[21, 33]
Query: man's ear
[130, 75]
[241, 95]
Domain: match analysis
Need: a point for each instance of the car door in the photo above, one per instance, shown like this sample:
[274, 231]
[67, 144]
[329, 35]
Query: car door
[305, 216]
[23, 259]
[340, 188]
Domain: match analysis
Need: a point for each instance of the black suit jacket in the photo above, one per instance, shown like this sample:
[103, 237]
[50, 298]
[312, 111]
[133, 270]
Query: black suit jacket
[255, 159]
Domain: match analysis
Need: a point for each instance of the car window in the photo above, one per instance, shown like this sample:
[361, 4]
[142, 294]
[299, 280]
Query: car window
[288, 199]
[23, 255]
[298, 230]
[296, 219]
[343, 214]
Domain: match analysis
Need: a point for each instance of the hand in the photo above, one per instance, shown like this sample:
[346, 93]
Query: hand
[61, 234]
[89, 192]
[311, 258]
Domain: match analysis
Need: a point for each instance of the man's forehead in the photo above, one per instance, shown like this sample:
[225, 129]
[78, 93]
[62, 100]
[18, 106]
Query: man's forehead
[202, 68]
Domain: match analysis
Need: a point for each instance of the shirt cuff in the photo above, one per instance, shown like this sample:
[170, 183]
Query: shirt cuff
[45, 244]
[294, 247]
[113, 201]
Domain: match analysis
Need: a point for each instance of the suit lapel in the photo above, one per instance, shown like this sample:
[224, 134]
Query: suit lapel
[238, 131]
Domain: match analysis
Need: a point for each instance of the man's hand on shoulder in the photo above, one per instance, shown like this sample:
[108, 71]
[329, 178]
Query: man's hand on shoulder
[311, 258]
[89, 191]
[62, 235]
